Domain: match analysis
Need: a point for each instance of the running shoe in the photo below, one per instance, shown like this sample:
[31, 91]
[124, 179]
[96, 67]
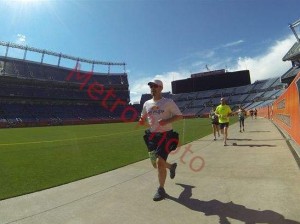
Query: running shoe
[160, 194]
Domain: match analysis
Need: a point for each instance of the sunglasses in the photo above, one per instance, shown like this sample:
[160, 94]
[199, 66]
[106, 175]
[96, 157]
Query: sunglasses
[154, 86]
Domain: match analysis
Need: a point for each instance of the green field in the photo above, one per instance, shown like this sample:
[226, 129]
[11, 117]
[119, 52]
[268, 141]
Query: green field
[33, 159]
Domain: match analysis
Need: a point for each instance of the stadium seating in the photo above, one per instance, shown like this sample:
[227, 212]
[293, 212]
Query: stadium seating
[249, 96]
[33, 93]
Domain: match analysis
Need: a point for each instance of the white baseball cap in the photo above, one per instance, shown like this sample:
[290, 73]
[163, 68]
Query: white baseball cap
[157, 82]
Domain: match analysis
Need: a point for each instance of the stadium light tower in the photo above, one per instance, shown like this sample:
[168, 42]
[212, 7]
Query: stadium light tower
[292, 26]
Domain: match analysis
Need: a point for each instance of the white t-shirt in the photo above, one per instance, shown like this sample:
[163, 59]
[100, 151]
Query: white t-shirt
[155, 111]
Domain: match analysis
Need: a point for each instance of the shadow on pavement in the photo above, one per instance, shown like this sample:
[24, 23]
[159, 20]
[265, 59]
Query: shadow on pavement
[228, 210]
[240, 139]
[253, 145]
[259, 131]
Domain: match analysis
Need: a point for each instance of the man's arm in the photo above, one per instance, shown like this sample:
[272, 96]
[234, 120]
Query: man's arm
[142, 121]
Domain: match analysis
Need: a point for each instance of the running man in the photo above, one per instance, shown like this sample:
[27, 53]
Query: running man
[224, 111]
[159, 112]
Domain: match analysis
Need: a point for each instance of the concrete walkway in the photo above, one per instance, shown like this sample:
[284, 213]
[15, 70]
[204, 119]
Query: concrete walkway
[253, 180]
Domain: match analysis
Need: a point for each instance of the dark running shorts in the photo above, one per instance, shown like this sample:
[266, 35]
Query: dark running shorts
[223, 125]
[161, 143]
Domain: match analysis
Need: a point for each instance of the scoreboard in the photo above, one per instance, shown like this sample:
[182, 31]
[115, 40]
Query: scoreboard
[211, 80]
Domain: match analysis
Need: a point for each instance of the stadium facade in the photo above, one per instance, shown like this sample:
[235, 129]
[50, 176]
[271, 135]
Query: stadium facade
[199, 103]
[36, 93]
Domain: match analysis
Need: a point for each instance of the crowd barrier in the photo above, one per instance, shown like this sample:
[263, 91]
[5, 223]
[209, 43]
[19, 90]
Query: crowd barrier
[285, 110]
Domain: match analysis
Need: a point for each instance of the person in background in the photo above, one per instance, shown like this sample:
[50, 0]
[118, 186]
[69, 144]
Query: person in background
[251, 113]
[241, 114]
[223, 111]
[214, 123]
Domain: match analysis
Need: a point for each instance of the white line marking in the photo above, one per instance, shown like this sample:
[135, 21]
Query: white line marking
[63, 140]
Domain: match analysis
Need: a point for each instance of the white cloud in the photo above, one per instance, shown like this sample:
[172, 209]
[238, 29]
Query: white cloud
[21, 39]
[203, 54]
[233, 43]
[268, 65]
[15, 52]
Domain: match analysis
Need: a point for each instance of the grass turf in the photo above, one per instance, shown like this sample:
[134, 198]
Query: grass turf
[33, 159]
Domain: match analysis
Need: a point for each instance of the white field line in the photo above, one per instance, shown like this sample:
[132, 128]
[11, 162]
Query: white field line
[64, 140]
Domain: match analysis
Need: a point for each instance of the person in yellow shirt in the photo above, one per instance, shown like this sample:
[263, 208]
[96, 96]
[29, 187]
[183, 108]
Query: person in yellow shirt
[223, 111]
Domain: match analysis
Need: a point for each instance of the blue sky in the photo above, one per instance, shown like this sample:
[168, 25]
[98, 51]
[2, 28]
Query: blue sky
[166, 39]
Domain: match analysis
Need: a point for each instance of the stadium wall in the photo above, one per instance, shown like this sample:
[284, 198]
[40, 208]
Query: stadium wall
[265, 111]
[285, 110]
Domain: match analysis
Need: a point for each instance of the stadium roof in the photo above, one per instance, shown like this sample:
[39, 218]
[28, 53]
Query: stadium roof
[293, 53]
[58, 55]
[290, 75]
